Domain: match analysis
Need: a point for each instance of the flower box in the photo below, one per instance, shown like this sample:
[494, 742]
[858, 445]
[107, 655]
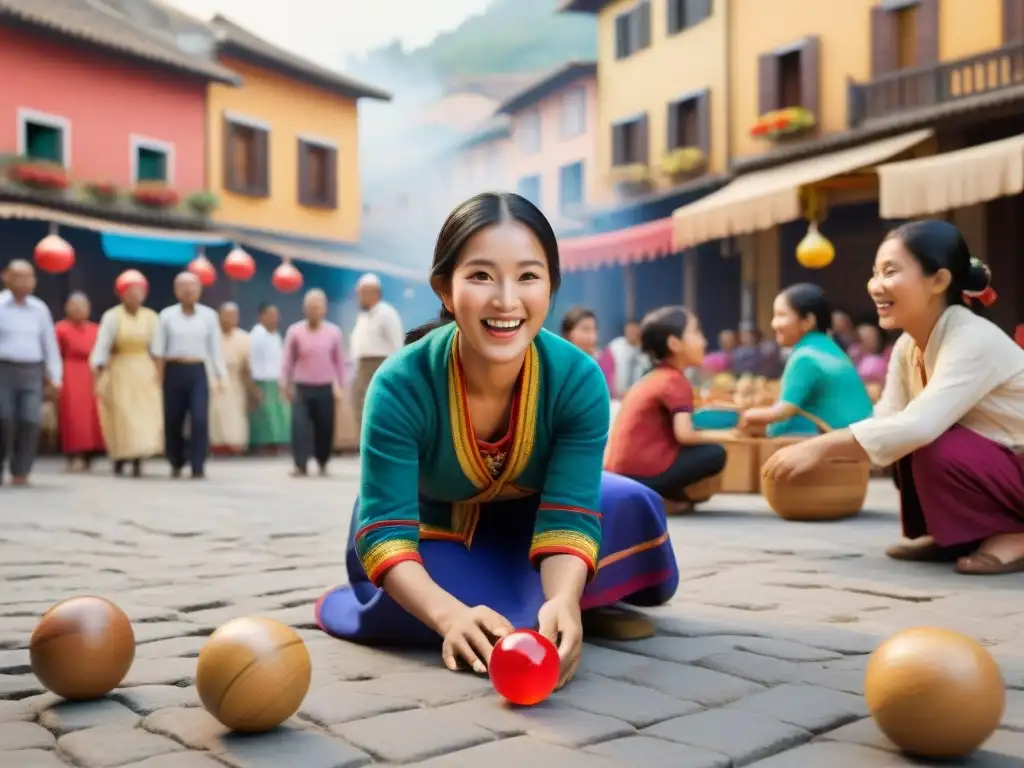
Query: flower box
[633, 173]
[155, 196]
[684, 161]
[783, 122]
[202, 203]
[39, 175]
[102, 191]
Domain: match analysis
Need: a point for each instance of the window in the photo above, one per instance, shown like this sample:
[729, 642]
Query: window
[151, 160]
[789, 87]
[906, 34]
[570, 188]
[574, 113]
[790, 77]
[246, 157]
[683, 14]
[318, 174]
[44, 137]
[629, 141]
[529, 187]
[529, 133]
[633, 30]
[683, 123]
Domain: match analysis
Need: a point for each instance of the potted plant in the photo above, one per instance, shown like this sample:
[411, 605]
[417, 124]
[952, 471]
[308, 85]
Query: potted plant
[37, 174]
[105, 192]
[203, 202]
[155, 195]
[632, 177]
[684, 162]
[782, 123]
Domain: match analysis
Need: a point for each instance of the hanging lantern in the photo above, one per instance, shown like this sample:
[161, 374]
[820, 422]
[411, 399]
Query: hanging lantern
[815, 251]
[204, 270]
[239, 265]
[127, 279]
[286, 278]
[54, 254]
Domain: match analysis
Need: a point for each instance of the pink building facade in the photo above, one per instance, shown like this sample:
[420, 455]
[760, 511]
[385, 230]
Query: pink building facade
[106, 118]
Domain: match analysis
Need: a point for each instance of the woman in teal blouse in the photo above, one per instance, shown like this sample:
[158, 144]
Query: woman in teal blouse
[482, 505]
[820, 388]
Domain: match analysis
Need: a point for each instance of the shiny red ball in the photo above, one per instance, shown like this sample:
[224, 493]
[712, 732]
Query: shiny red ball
[524, 667]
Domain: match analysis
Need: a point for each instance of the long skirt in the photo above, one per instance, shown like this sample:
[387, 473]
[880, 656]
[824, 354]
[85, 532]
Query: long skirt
[270, 423]
[79, 417]
[229, 416]
[636, 565]
[961, 488]
[131, 408]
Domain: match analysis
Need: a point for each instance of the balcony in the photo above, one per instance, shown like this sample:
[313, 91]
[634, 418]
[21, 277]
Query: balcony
[908, 90]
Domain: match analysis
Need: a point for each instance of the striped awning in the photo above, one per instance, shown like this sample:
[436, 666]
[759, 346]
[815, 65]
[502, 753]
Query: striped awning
[623, 246]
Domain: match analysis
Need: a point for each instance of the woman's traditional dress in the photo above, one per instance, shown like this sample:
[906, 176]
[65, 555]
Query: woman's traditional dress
[820, 380]
[951, 420]
[130, 402]
[483, 515]
[78, 416]
[229, 404]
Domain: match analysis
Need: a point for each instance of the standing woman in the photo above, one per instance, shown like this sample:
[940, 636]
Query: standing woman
[229, 404]
[951, 416]
[127, 387]
[78, 415]
[579, 327]
[482, 503]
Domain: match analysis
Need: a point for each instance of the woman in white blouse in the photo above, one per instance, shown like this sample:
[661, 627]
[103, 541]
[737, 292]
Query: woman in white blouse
[951, 416]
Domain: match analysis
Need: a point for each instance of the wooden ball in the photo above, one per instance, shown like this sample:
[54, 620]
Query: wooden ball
[82, 648]
[934, 692]
[253, 674]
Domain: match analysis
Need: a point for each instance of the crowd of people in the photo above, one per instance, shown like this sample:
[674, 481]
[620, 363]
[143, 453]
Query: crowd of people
[183, 383]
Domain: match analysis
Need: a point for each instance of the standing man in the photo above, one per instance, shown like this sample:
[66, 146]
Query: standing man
[186, 347]
[30, 365]
[376, 336]
[313, 365]
[271, 417]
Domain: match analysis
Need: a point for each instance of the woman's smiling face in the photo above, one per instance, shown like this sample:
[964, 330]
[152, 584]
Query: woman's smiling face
[500, 291]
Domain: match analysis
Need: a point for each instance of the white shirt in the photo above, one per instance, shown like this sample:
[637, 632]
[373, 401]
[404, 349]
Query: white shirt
[378, 332]
[195, 336]
[973, 376]
[27, 334]
[266, 350]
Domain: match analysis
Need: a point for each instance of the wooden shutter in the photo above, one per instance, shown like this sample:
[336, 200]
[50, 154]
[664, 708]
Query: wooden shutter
[703, 10]
[1013, 21]
[703, 107]
[623, 32]
[642, 26]
[303, 171]
[673, 23]
[926, 35]
[884, 42]
[230, 181]
[767, 83]
[672, 126]
[810, 76]
[262, 152]
[331, 172]
[643, 141]
[618, 145]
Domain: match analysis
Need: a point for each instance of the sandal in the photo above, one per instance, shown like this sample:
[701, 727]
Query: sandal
[616, 624]
[985, 564]
[917, 552]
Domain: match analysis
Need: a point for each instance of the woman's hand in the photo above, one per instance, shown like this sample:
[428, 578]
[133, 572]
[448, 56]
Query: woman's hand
[792, 461]
[753, 418]
[466, 638]
[561, 622]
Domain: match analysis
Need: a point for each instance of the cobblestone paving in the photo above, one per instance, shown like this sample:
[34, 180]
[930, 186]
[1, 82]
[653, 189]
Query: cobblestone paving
[759, 659]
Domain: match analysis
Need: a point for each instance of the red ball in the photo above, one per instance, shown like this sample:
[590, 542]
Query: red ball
[286, 278]
[204, 270]
[239, 265]
[524, 667]
[54, 254]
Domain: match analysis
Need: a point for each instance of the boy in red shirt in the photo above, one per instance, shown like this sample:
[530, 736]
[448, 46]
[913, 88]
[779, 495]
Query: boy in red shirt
[653, 440]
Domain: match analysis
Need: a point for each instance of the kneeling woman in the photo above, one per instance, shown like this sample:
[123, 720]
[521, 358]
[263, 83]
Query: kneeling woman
[482, 503]
[951, 416]
[821, 389]
[653, 439]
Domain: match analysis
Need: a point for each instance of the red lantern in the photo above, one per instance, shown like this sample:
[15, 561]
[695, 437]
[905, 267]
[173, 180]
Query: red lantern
[286, 278]
[203, 269]
[127, 279]
[54, 254]
[239, 265]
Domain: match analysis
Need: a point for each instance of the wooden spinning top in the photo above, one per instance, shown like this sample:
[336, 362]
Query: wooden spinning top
[82, 648]
[253, 674]
[934, 692]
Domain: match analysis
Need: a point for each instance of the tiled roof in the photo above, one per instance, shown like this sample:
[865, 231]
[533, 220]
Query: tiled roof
[497, 87]
[105, 25]
[247, 44]
[582, 6]
[547, 84]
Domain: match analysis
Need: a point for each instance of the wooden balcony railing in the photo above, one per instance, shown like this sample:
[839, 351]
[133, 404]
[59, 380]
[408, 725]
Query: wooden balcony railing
[907, 90]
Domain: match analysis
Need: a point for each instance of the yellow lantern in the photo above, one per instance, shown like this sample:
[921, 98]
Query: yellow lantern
[815, 251]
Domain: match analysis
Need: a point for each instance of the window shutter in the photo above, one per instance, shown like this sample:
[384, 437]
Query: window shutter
[767, 83]
[623, 30]
[303, 169]
[1013, 21]
[704, 123]
[673, 21]
[810, 76]
[884, 45]
[262, 173]
[618, 145]
[672, 127]
[642, 20]
[704, 9]
[230, 181]
[332, 178]
[927, 33]
[643, 140]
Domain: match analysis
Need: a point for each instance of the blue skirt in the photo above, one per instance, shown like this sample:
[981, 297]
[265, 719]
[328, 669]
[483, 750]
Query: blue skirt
[636, 565]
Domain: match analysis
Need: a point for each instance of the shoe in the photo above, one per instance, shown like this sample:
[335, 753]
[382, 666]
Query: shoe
[985, 564]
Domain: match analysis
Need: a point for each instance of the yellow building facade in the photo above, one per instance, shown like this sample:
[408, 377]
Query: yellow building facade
[283, 147]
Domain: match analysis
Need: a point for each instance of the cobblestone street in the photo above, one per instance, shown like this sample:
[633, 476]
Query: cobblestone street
[759, 659]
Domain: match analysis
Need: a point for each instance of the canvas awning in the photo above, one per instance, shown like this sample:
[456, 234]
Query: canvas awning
[957, 179]
[96, 224]
[762, 199]
[642, 241]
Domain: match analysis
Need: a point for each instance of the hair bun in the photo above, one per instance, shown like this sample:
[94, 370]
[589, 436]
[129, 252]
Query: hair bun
[979, 277]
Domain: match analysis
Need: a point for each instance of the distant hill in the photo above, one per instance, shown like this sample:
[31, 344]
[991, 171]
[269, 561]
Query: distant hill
[510, 36]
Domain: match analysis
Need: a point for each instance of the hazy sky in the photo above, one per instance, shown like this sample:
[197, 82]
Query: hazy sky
[329, 30]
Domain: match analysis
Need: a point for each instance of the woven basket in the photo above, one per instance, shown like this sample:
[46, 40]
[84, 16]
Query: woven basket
[704, 489]
[831, 491]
